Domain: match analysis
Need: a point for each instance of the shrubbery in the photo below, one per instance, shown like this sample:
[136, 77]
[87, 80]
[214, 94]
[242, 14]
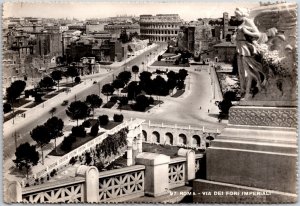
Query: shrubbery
[67, 142]
[103, 120]
[113, 99]
[87, 124]
[118, 117]
[77, 80]
[78, 131]
[6, 107]
[94, 130]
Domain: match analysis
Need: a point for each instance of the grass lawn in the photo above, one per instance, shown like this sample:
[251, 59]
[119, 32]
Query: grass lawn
[79, 141]
[128, 107]
[69, 84]
[110, 125]
[48, 96]
[11, 115]
[178, 93]
[109, 105]
[33, 104]
[20, 102]
[165, 64]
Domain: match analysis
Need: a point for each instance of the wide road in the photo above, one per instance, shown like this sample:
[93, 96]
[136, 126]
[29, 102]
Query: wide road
[23, 130]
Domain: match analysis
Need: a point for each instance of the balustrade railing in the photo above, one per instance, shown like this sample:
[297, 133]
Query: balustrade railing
[124, 183]
[63, 191]
[183, 127]
[177, 172]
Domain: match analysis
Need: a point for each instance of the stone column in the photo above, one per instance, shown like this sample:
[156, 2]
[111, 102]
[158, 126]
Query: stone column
[156, 173]
[14, 193]
[190, 163]
[91, 189]
[129, 155]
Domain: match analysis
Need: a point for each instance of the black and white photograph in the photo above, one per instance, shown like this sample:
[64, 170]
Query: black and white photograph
[149, 102]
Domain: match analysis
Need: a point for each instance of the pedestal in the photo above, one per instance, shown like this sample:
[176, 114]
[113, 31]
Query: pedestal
[156, 173]
[258, 150]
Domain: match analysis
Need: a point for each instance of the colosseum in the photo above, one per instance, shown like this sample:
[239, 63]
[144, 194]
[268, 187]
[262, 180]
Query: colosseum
[160, 28]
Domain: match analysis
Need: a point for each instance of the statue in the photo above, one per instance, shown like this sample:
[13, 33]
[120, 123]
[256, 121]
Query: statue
[266, 71]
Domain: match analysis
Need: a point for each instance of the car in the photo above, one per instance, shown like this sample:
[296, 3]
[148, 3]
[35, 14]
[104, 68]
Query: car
[65, 103]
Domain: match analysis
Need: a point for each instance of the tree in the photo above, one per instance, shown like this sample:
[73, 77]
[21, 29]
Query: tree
[6, 107]
[171, 83]
[135, 69]
[46, 82]
[15, 90]
[78, 131]
[142, 103]
[86, 124]
[41, 136]
[66, 144]
[103, 120]
[160, 86]
[118, 117]
[107, 90]
[72, 72]
[145, 76]
[93, 101]
[52, 111]
[94, 130]
[55, 127]
[182, 74]
[159, 57]
[26, 157]
[77, 80]
[172, 75]
[125, 76]
[57, 76]
[78, 110]
[118, 84]
[134, 89]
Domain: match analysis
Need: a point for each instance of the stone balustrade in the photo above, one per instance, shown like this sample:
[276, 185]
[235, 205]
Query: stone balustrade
[154, 175]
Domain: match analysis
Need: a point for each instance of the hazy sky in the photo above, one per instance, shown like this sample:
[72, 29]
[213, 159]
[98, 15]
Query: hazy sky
[187, 11]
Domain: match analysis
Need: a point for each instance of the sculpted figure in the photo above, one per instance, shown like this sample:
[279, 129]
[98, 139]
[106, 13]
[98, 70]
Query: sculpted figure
[250, 69]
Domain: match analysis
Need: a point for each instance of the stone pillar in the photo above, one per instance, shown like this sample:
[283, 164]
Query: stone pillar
[91, 189]
[129, 155]
[190, 163]
[156, 173]
[14, 193]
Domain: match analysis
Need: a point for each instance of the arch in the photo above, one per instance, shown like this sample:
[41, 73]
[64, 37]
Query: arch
[144, 135]
[182, 139]
[196, 141]
[210, 138]
[169, 138]
[155, 137]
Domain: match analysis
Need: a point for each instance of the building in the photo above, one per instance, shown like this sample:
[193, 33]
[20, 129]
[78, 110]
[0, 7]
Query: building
[112, 50]
[160, 28]
[94, 27]
[195, 38]
[224, 52]
[116, 29]
[79, 27]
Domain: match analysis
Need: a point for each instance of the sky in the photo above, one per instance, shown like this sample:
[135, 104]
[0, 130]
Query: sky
[187, 11]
